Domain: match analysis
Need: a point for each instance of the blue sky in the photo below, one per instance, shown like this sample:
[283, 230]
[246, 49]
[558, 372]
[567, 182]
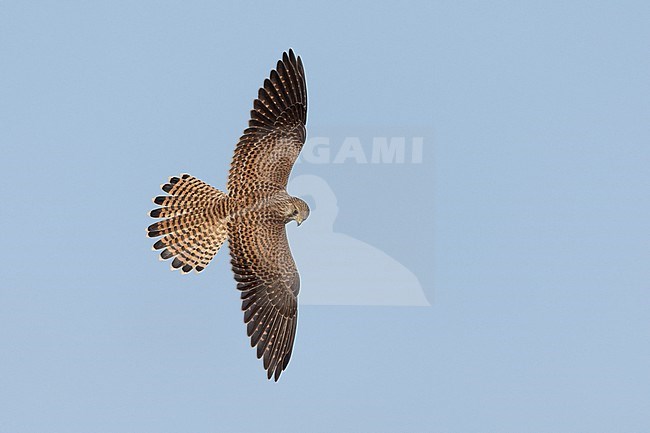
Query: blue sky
[526, 223]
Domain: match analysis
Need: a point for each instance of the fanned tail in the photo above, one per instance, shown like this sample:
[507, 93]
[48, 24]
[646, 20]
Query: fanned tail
[194, 224]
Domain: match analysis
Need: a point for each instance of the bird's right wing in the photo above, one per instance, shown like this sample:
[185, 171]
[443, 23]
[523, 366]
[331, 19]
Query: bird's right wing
[267, 277]
[276, 132]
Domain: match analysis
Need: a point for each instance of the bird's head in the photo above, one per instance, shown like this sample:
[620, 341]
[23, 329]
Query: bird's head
[297, 211]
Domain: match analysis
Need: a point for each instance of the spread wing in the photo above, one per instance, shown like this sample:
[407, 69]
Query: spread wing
[276, 132]
[269, 282]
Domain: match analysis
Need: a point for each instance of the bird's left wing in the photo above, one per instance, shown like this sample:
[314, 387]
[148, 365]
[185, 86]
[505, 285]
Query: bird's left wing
[267, 277]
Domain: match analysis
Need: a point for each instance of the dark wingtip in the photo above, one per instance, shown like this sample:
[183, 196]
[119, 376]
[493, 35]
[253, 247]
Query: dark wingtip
[166, 187]
[286, 359]
[159, 200]
[177, 263]
[155, 213]
[199, 268]
[159, 245]
[250, 327]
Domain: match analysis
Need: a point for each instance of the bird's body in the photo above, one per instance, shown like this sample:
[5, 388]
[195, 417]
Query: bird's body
[197, 219]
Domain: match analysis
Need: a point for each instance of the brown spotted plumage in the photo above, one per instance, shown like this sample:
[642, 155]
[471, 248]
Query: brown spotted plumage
[196, 219]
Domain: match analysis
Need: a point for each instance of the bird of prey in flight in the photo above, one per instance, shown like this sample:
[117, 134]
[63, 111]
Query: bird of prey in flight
[196, 219]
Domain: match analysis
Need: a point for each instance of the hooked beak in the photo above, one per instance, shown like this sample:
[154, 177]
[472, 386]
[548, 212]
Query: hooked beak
[299, 221]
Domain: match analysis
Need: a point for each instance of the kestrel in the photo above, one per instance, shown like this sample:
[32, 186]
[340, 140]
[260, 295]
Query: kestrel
[196, 219]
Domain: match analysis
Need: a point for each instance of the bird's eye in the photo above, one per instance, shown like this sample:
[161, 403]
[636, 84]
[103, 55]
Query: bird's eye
[295, 212]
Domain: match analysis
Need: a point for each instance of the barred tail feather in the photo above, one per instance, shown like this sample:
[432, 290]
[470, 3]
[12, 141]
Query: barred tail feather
[194, 223]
